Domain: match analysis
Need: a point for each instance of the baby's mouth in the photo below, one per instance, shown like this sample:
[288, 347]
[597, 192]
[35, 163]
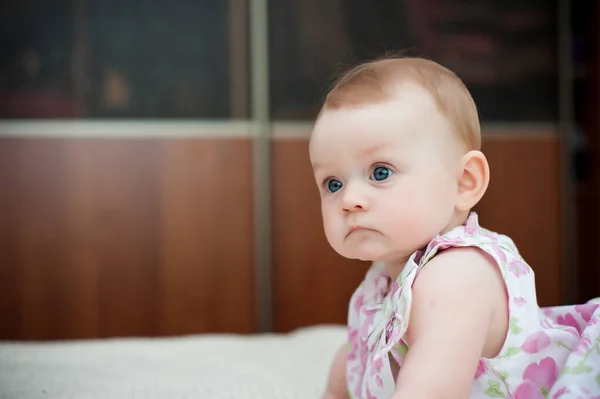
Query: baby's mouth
[354, 229]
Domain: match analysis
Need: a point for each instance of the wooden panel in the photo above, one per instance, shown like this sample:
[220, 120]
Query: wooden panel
[207, 273]
[113, 211]
[312, 284]
[105, 238]
[523, 202]
[45, 285]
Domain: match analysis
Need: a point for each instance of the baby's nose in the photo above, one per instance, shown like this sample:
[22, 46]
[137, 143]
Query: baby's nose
[354, 200]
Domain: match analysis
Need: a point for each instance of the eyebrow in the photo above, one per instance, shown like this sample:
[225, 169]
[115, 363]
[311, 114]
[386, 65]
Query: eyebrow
[366, 151]
[372, 149]
[316, 166]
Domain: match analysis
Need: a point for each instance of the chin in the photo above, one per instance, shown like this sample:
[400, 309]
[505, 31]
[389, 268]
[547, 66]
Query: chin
[366, 255]
[358, 255]
[366, 250]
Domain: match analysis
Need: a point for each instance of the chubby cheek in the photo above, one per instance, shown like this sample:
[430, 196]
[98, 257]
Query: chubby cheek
[331, 226]
[404, 221]
[411, 220]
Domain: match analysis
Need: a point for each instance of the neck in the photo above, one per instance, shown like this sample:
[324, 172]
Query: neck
[458, 219]
[394, 267]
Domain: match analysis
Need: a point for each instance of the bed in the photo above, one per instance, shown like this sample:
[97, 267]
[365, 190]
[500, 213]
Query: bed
[292, 365]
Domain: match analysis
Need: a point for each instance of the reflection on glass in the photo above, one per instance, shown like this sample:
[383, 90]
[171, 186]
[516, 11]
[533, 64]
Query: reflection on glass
[504, 51]
[119, 59]
[158, 60]
[35, 59]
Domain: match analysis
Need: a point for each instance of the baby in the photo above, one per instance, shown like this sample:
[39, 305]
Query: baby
[448, 309]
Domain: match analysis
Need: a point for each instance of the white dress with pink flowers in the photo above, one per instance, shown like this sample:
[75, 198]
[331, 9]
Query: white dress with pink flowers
[549, 352]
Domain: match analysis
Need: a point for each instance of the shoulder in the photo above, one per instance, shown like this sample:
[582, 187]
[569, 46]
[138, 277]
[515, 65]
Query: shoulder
[463, 287]
[456, 269]
[463, 282]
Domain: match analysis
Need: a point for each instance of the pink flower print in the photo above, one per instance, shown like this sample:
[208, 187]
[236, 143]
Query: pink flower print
[569, 320]
[547, 311]
[364, 354]
[536, 342]
[353, 339]
[471, 226]
[357, 388]
[358, 369]
[546, 323]
[500, 253]
[520, 301]
[490, 234]
[379, 381]
[583, 345]
[377, 366]
[359, 301]
[542, 376]
[585, 311]
[353, 355]
[561, 392]
[517, 268]
[528, 390]
[394, 288]
[481, 368]
[367, 322]
[382, 285]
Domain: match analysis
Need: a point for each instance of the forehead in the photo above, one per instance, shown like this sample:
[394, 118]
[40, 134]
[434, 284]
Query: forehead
[409, 116]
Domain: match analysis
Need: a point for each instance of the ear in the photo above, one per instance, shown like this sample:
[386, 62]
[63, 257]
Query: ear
[473, 181]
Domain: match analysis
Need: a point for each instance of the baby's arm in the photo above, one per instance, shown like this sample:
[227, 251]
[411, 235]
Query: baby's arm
[454, 298]
[336, 384]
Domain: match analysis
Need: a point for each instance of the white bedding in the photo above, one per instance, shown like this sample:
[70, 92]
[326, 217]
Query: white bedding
[268, 366]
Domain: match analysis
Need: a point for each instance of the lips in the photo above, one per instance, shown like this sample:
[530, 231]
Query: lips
[354, 229]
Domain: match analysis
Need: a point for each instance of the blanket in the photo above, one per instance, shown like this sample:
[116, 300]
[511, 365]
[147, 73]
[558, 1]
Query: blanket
[285, 366]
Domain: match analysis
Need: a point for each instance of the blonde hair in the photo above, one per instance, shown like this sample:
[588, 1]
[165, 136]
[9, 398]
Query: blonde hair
[378, 81]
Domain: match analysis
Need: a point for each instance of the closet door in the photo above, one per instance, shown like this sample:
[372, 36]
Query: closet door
[126, 170]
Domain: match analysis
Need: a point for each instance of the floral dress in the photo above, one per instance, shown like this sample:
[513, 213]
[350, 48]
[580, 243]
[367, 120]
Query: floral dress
[551, 352]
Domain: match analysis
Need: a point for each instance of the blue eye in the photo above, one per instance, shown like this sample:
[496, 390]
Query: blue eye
[333, 185]
[381, 173]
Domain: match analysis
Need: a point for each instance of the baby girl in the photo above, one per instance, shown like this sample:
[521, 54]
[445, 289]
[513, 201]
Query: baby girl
[448, 308]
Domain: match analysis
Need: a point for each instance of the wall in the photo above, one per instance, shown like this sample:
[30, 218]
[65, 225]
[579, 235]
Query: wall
[125, 237]
[153, 236]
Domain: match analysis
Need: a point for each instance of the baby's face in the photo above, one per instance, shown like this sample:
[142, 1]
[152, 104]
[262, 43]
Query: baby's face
[387, 174]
